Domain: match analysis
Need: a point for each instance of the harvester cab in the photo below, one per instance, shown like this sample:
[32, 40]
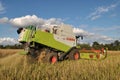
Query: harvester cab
[25, 34]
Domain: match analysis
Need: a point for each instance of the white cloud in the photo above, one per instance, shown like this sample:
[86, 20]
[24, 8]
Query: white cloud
[107, 29]
[8, 41]
[106, 38]
[40, 22]
[95, 17]
[53, 21]
[91, 37]
[4, 20]
[34, 20]
[101, 10]
[2, 9]
[79, 31]
[26, 20]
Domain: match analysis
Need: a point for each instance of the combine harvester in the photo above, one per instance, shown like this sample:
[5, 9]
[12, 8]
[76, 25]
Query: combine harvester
[54, 44]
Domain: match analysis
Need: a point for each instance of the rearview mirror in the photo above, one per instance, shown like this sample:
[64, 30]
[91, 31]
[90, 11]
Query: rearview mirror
[79, 36]
[19, 30]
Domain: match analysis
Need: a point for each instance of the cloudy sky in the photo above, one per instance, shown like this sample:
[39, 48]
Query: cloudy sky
[97, 20]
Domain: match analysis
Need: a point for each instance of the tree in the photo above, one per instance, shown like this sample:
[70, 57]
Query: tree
[96, 45]
[116, 45]
[86, 46]
[1, 46]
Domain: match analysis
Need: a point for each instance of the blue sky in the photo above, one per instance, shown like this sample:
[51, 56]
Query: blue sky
[99, 20]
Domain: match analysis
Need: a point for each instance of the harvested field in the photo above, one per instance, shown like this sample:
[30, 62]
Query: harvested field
[14, 66]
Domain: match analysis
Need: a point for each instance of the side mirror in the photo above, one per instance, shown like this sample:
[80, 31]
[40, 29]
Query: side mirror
[79, 37]
[19, 30]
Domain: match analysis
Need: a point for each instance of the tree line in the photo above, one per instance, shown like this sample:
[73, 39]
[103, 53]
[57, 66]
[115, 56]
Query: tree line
[111, 46]
[16, 46]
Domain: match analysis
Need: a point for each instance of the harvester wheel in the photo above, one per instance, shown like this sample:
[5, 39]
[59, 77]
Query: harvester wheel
[51, 57]
[41, 55]
[74, 54]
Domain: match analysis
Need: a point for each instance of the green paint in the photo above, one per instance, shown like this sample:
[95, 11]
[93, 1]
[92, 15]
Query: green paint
[47, 39]
[87, 56]
[28, 33]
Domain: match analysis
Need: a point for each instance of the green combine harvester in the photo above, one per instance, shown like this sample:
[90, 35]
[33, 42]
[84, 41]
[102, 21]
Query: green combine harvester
[53, 44]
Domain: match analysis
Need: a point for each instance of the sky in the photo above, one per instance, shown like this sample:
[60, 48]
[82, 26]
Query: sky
[96, 20]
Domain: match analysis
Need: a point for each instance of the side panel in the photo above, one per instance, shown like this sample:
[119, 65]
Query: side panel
[47, 39]
[24, 35]
[68, 40]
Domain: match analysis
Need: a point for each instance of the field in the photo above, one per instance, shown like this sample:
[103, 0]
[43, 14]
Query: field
[14, 66]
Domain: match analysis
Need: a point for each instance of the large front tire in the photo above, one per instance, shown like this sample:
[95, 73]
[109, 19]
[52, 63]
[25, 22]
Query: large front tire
[74, 54]
[51, 58]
